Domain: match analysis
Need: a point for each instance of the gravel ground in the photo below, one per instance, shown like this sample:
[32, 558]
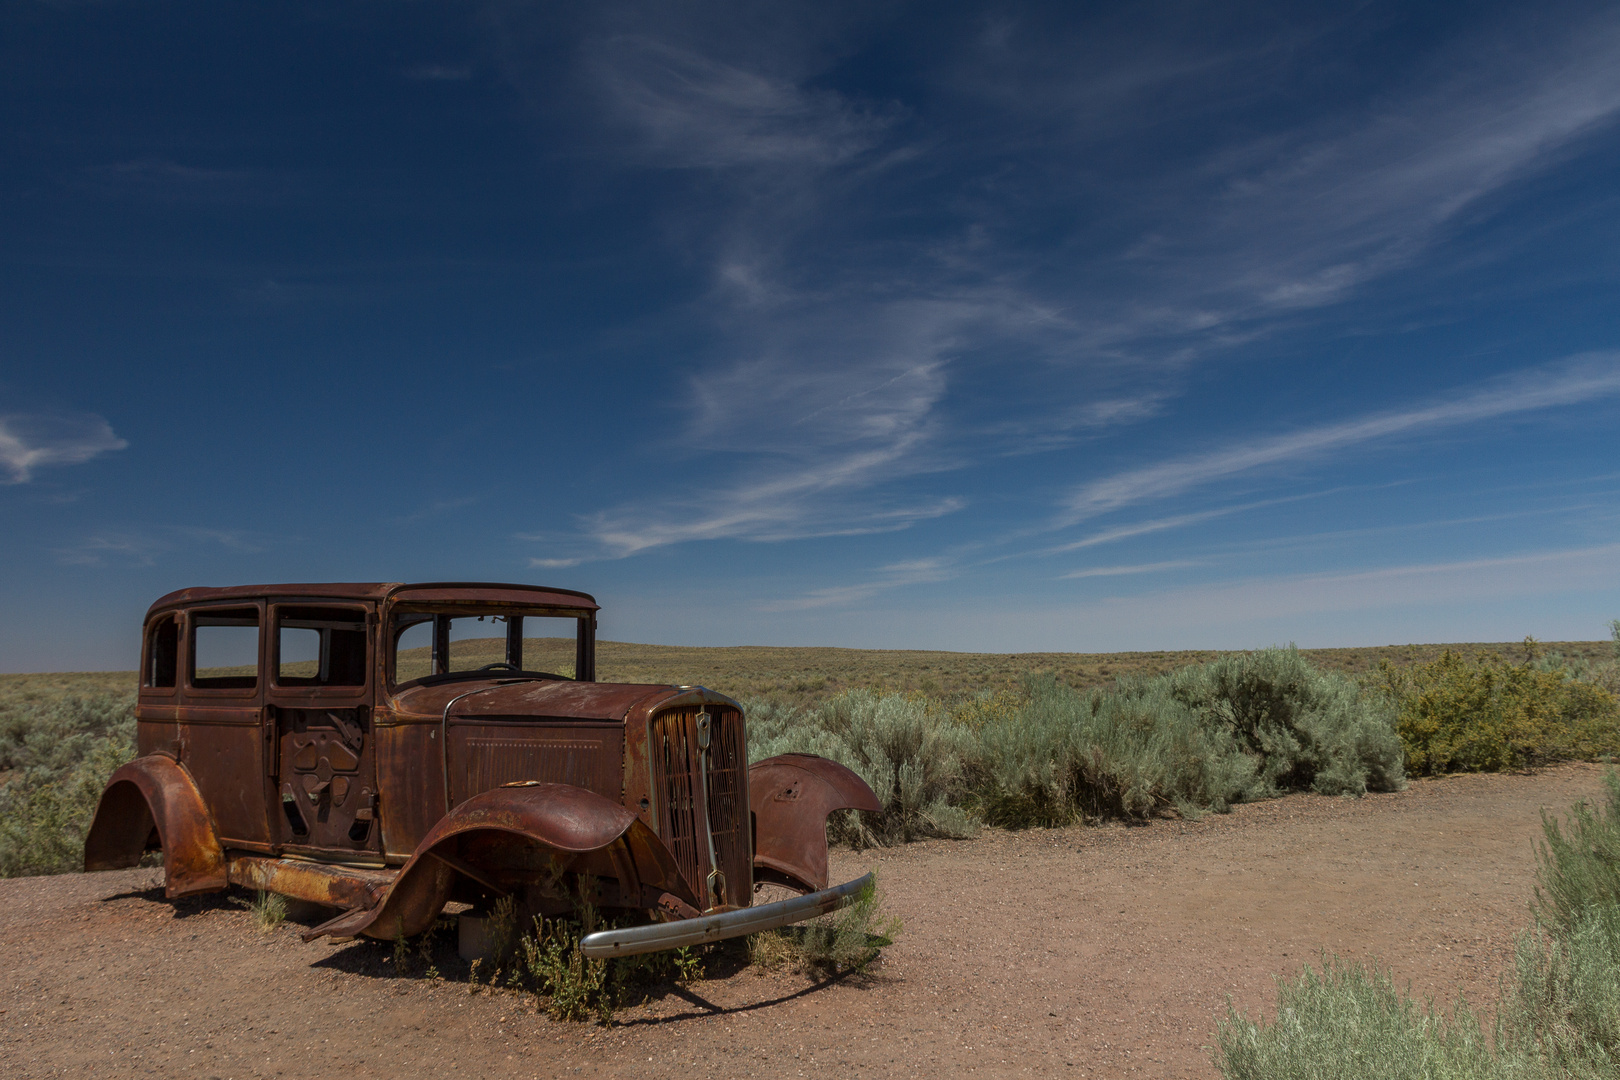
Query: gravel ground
[1080, 952]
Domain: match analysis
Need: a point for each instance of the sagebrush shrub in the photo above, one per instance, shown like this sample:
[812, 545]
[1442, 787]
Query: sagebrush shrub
[1347, 1022]
[906, 749]
[1307, 729]
[1560, 1017]
[62, 752]
[1204, 737]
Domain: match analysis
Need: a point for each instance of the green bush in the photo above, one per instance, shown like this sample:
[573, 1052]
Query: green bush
[1348, 1023]
[1307, 729]
[1203, 737]
[61, 752]
[1064, 755]
[908, 750]
[1579, 861]
[1483, 715]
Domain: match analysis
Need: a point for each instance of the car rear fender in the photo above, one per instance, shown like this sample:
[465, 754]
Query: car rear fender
[511, 840]
[790, 796]
[156, 793]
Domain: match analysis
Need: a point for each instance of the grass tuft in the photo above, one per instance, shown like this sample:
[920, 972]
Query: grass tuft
[845, 940]
[269, 910]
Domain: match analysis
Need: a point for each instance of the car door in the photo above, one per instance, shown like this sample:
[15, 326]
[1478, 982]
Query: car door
[217, 732]
[319, 722]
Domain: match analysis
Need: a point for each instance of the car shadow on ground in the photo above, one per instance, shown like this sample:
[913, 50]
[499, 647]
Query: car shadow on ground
[704, 1008]
[183, 907]
[412, 964]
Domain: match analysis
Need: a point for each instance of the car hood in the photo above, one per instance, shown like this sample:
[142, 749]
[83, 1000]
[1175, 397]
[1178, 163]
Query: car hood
[548, 699]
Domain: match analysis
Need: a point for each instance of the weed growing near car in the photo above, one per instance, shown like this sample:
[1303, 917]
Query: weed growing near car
[845, 940]
[269, 910]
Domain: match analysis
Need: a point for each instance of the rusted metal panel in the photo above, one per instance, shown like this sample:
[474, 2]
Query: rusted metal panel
[489, 753]
[319, 883]
[557, 699]
[513, 839]
[477, 592]
[409, 780]
[791, 796]
[156, 794]
[424, 592]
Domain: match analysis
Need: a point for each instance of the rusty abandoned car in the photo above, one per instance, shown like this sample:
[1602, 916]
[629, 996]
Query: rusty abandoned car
[385, 749]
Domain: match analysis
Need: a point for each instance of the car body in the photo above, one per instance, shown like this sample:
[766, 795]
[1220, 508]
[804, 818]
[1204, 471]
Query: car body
[384, 749]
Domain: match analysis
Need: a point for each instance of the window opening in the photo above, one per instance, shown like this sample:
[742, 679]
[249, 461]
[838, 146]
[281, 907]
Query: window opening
[320, 647]
[225, 649]
[428, 644]
[163, 652]
[413, 647]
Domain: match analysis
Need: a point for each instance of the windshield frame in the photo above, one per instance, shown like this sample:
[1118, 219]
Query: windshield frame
[401, 616]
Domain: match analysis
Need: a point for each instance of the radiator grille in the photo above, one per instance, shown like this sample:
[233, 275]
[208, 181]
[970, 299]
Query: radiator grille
[676, 778]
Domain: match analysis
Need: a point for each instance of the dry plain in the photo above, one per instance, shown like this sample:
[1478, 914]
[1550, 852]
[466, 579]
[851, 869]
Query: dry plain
[1083, 952]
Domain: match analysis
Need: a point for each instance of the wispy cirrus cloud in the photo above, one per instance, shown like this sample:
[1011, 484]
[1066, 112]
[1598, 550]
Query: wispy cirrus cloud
[695, 111]
[1139, 568]
[892, 576]
[33, 441]
[1448, 581]
[798, 449]
[1583, 378]
[143, 546]
[852, 357]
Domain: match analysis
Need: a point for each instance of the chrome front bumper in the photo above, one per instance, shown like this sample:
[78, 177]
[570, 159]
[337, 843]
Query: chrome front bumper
[727, 924]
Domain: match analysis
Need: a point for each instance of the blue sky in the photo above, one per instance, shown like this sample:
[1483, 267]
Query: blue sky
[997, 327]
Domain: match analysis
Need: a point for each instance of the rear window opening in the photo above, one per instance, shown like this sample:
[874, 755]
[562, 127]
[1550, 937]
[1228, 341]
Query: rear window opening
[162, 653]
[225, 649]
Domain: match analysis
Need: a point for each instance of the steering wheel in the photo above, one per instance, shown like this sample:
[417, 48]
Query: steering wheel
[500, 665]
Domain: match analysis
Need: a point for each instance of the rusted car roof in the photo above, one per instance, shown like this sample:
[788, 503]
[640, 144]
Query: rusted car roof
[423, 592]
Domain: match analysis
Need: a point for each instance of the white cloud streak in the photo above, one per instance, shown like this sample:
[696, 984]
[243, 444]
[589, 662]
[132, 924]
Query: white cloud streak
[693, 111]
[830, 389]
[1584, 378]
[1478, 581]
[1120, 571]
[893, 576]
[144, 547]
[29, 442]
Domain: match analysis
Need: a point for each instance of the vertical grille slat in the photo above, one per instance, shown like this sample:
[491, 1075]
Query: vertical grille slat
[675, 752]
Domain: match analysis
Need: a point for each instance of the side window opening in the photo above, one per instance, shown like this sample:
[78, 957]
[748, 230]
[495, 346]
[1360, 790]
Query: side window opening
[413, 647]
[163, 652]
[225, 649]
[320, 647]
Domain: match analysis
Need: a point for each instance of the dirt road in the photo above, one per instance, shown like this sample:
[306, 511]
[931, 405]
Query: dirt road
[1075, 952]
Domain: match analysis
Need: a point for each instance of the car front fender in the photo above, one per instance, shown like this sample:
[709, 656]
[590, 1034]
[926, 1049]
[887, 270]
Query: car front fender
[790, 796]
[509, 838]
